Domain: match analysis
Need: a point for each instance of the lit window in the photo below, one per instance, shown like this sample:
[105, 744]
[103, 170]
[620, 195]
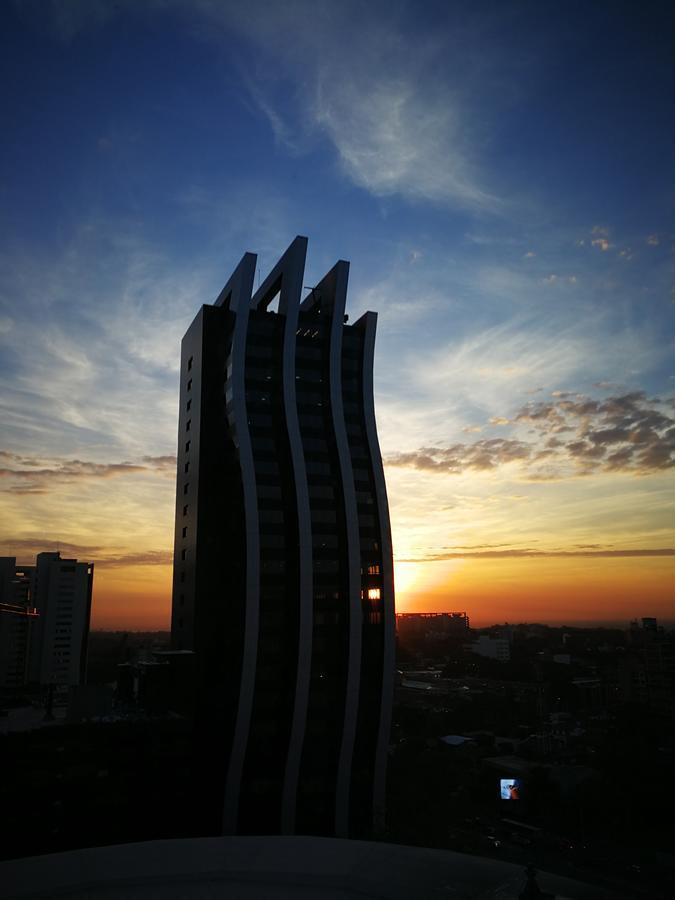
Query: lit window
[373, 570]
[373, 593]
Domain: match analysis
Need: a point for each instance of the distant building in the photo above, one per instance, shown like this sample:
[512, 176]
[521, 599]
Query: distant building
[492, 647]
[417, 625]
[283, 572]
[17, 621]
[647, 672]
[63, 591]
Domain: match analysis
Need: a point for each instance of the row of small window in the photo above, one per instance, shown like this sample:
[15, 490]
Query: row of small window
[189, 388]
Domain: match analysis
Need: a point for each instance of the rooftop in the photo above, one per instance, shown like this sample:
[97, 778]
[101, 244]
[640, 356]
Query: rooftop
[273, 868]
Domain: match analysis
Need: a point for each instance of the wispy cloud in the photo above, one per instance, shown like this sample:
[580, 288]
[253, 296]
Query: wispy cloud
[528, 553]
[357, 81]
[30, 475]
[392, 138]
[26, 549]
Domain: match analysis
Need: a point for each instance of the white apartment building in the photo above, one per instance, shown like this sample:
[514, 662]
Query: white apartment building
[492, 647]
[62, 596]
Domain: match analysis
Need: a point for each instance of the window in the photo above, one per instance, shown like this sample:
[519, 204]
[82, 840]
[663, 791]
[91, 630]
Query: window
[185, 510]
[189, 405]
[373, 593]
[189, 385]
[180, 623]
[182, 577]
[190, 363]
[185, 487]
[187, 466]
[189, 423]
[182, 600]
[373, 570]
[183, 555]
[187, 446]
[185, 531]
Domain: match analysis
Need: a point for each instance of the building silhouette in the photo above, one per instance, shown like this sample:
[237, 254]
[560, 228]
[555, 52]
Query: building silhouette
[421, 625]
[45, 612]
[18, 618]
[283, 574]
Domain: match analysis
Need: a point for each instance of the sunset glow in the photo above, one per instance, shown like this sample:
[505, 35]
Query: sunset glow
[510, 220]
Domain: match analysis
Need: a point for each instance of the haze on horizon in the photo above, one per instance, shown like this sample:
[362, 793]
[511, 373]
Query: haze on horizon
[500, 179]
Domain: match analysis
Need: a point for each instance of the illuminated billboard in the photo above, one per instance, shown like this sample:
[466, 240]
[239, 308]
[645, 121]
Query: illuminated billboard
[509, 788]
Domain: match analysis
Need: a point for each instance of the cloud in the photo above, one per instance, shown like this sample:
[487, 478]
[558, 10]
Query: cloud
[392, 137]
[653, 240]
[27, 548]
[398, 109]
[481, 455]
[570, 435]
[528, 553]
[623, 433]
[599, 238]
[30, 475]
[146, 558]
[161, 463]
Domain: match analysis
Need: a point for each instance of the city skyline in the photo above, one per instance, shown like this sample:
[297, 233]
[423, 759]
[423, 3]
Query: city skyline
[501, 181]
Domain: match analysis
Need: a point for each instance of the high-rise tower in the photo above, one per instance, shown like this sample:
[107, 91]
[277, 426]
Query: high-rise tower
[283, 574]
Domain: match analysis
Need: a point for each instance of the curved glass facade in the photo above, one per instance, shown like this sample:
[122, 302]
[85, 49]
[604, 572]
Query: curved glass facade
[283, 576]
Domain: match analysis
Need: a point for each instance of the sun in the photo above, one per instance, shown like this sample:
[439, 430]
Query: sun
[405, 576]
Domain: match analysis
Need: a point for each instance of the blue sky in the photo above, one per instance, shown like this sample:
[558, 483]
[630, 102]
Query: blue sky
[500, 177]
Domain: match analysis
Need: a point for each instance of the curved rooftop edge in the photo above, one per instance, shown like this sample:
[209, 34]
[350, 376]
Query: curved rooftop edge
[235, 868]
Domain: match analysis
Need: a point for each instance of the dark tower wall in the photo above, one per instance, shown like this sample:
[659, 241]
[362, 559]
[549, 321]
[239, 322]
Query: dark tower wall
[283, 576]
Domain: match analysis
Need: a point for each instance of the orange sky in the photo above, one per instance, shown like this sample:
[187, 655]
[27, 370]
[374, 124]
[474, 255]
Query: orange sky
[543, 590]
[458, 540]
[546, 590]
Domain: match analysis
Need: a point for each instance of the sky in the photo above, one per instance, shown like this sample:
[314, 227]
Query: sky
[500, 177]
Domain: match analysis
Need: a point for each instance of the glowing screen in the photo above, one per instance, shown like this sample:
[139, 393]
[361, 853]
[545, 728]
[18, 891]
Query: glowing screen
[509, 788]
